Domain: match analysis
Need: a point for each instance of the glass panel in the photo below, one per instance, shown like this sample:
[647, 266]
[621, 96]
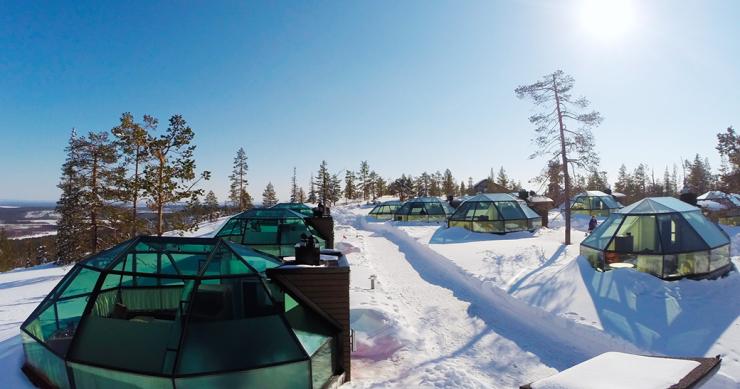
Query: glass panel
[243, 343]
[435, 209]
[104, 258]
[94, 377]
[292, 375]
[232, 227]
[638, 234]
[291, 233]
[580, 203]
[712, 235]
[594, 257]
[600, 237]
[609, 202]
[45, 361]
[465, 211]
[693, 263]
[510, 210]
[719, 257]
[485, 211]
[677, 235]
[143, 323]
[82, 283]
[652, 264]
[312, 331]
[261, 232]
[322, 364]
[515, 225]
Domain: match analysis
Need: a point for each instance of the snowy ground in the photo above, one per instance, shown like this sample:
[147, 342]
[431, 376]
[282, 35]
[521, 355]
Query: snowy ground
[452, 308]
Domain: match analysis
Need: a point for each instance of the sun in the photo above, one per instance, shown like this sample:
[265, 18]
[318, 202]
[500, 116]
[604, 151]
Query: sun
[607, 19]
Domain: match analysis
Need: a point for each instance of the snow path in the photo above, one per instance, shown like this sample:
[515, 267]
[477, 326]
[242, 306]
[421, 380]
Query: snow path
[558, 342]
[442, 343]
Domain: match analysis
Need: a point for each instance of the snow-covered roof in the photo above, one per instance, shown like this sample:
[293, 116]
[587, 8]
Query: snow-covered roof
[539, 199]
[621, 370]
[711, 205]
[592, 193]
[718, 196]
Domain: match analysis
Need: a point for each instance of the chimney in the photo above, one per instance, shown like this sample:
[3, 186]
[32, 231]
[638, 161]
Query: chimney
[324, 224]
[326, 289]
[688, 197]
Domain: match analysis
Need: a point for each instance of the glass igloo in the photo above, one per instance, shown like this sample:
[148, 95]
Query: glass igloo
[593, 203]
[274, 231]
[662, 236]
[423, 209]
[166, 312]
[495, 212]
[385, 210]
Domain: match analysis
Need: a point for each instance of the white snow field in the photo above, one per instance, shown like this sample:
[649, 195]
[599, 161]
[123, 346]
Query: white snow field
[452, 308]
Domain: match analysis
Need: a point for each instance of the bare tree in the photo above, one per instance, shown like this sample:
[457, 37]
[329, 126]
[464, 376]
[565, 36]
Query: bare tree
[554, 139]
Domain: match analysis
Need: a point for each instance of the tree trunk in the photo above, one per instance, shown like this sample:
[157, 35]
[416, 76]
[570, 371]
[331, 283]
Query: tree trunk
[136, 195]
[566, 176]
[160, 199]
[93, 206]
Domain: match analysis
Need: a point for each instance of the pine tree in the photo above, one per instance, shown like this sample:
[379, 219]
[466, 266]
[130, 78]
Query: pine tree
[463, 190]
[71, 209]
[728, 146]
[293, 188]
[96, 166]
[698, 179]
[574, 145]
[132, 141]
[471, 187]
[312, 191]
[597, 180]
[211, 206]
[349, 185]
[449, 188]
[372, 180]
[238, 191]
[170, 177]
[422, 185]
[623, 180]
[502, 179]
[335, 192]
[269, 198]
[403, 187]
[381, 186]
[364, 177]
[667, 185]
[301, 195]
[323, 183]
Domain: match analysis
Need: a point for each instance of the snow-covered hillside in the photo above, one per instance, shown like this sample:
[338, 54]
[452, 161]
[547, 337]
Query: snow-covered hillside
[453, 308]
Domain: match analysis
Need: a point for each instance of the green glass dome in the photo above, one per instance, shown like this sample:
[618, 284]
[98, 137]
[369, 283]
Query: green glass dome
[385, 210]
[495, 212]
[274, 231]
[659, 235]
[593, 203]
[167, 312]
[423, 209]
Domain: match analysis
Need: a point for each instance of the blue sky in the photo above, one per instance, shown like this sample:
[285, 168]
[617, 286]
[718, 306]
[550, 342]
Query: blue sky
[409, 86]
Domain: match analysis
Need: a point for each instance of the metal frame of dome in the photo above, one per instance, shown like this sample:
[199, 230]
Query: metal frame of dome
[170, 312]
[662, 236]
[494, 213]
[423, 209]
[274, 231]
[385, 210]
[593, 203]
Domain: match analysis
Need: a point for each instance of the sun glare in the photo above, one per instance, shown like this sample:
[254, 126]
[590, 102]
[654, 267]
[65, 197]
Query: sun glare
[607, 19]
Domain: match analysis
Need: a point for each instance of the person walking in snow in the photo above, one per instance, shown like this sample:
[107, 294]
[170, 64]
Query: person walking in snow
[592, 224]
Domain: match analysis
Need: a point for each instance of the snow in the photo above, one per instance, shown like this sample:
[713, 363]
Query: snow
[618, 370]
[452, 308]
